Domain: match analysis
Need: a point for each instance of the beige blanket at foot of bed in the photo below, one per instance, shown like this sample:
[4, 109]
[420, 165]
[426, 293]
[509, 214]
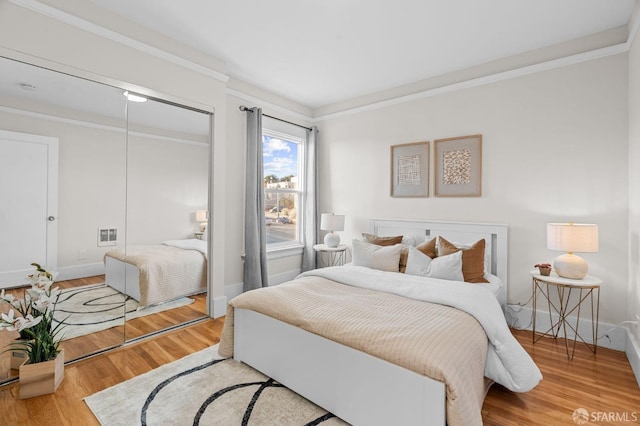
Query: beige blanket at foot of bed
[437, 341]
[166, 272]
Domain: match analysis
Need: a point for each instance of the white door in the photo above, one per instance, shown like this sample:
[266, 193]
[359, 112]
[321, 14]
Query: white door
[28, 205]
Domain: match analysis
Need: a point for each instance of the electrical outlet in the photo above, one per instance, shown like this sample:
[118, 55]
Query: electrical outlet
[82, 254]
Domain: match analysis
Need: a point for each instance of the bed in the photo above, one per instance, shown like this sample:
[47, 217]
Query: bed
[424, 355]
[157, 273]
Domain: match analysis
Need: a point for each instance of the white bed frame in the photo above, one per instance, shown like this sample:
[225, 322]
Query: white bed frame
[122, 276]
[355, 386]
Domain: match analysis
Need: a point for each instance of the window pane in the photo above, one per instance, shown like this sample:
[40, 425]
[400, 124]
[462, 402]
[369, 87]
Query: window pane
[281, 216]
[281, 200]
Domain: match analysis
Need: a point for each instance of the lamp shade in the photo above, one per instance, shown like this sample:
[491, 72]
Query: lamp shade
[572, 237]
[332, 222]
[201, 215]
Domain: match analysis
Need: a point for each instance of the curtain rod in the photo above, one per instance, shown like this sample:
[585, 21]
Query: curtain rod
[244, 108]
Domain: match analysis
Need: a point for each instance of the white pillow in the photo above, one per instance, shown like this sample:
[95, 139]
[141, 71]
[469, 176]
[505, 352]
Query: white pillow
[384, 258]
[447, 267]
[412, 240]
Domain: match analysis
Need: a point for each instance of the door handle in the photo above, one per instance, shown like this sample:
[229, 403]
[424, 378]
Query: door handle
[51, 218]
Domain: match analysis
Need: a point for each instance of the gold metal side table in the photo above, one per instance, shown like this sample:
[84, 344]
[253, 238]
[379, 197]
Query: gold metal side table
[563, 306]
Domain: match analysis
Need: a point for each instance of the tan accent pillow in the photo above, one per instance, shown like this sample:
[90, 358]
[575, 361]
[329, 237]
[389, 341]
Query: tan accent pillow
[427, 247]
[472, 259]
[382, 241]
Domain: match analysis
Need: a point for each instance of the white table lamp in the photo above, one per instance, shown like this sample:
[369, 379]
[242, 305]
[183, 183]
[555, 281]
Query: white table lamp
[202, 216]
[332, 222]
[572, 237]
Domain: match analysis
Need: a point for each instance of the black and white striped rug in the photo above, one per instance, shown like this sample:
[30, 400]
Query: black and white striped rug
[204, 389]
[95, 307]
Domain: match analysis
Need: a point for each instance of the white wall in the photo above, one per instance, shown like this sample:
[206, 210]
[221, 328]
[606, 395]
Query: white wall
[633, 296]
[554, 149]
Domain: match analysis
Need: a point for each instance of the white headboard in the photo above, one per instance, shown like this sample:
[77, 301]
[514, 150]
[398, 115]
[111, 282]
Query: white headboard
[495, 236]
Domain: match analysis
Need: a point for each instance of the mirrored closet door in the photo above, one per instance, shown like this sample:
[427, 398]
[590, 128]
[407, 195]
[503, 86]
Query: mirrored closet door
[167, 199]
[88, 173]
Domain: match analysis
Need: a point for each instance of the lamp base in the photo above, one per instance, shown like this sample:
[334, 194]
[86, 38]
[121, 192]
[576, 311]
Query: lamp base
[570, 266]
[332, 240]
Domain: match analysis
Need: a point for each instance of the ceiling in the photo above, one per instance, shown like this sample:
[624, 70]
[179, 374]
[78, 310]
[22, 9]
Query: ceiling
[324, 52]
[319, 53]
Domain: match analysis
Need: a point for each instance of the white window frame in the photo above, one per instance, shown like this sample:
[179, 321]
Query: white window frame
[292, 133]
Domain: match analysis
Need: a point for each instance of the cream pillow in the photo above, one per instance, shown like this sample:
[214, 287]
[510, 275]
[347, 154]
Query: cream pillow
[447, 267]
[384, 258]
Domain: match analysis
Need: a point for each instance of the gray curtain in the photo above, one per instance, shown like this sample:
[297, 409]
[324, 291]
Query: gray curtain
[255, 234]
[310, 201]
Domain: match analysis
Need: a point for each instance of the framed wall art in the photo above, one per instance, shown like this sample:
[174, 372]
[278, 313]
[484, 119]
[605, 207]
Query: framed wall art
[410, 170]
[458, 166]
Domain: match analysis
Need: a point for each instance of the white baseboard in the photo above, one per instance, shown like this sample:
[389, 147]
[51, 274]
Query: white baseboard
[219, 306]
[609, 335]
[633, 353]
[80, 271]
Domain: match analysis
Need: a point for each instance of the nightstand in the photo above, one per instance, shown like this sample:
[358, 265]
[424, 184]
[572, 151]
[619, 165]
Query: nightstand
[330, 256]
[557, 291]
[198, 235]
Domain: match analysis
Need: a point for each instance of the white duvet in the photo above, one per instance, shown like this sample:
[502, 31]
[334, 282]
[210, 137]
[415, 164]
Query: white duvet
[507, 362]
[190, 244]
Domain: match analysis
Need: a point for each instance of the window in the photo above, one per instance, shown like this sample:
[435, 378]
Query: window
[283, 149]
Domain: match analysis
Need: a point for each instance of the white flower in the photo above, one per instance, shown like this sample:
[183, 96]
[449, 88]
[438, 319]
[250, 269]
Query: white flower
[44, 303]
[33, 294]
[30, 321]
[7, 298]
[11, 323]
[8, 320]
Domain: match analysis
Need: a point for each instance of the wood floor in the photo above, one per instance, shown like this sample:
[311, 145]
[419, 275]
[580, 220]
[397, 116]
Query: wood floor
[111, 337]
[603, 383]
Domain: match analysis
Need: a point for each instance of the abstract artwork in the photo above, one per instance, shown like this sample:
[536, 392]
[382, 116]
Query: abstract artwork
[410, 170]
[458, 166]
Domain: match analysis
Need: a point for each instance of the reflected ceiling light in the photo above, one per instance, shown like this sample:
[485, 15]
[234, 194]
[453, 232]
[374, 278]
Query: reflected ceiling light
[134, 98]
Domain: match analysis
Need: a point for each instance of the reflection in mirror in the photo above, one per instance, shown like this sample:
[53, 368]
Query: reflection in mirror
[77, 181]
[62, 177]
[165, 258]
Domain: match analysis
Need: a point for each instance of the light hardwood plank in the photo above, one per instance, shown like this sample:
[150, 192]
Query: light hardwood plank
[602, 382]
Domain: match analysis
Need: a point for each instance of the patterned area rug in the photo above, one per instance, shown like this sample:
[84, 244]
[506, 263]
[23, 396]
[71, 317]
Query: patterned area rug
[97, 307]
[204, 389]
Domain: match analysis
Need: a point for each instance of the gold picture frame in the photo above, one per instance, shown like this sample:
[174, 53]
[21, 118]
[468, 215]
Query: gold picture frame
[410, 170]
[458, 166]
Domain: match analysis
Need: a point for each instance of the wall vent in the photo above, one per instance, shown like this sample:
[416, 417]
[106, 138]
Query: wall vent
[107, 237]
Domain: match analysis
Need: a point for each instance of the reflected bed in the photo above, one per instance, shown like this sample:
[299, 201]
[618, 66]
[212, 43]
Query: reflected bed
[158, 273]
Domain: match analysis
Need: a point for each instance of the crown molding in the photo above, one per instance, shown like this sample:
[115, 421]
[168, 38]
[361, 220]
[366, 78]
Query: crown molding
[634, 25]
[265, 104]
[85, 25]
[91, 125]
[481, 81]
[36, 6]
